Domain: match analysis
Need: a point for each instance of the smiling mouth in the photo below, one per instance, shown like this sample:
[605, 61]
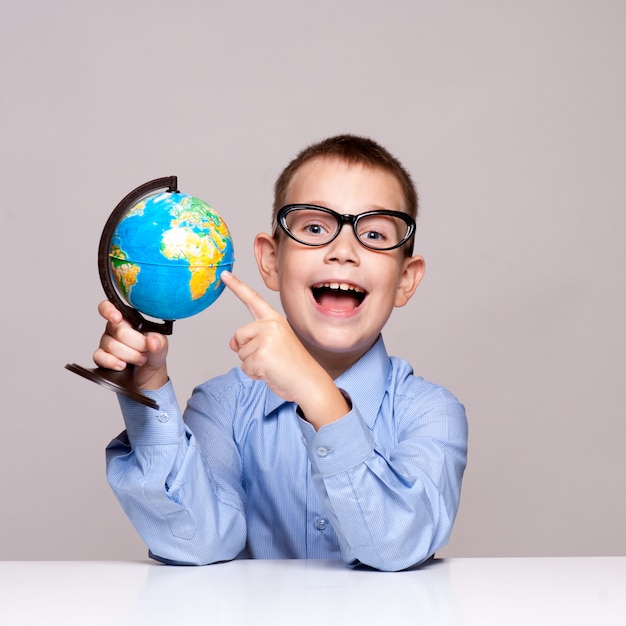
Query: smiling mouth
[338, 296]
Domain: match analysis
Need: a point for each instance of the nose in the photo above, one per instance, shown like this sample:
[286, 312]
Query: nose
[344, 248]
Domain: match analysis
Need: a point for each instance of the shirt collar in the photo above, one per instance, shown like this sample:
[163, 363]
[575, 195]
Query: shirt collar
[365, 382]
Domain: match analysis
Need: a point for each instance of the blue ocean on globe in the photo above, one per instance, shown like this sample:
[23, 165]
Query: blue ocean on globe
[167, 253]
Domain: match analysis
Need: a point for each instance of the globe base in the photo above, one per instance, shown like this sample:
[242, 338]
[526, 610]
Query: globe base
[119, 382]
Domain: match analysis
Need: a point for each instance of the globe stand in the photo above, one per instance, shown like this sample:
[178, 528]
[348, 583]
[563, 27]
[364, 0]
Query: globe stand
[120, 382]
[123, 382]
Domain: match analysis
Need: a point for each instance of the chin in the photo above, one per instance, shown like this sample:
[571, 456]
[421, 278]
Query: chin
[336, 344]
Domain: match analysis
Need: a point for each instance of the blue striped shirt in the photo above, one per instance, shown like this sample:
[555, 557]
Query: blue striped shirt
[242, 475]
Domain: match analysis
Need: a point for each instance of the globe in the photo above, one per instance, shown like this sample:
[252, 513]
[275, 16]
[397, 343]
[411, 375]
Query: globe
[161, 254]
[166, 255]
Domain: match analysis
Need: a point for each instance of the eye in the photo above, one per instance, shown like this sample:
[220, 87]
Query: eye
[372, 238]
[372, 235]
[377, 228]
[381, 231]
[310, 225]
[314, 229]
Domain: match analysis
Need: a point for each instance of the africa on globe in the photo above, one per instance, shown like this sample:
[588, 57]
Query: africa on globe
[167, 253]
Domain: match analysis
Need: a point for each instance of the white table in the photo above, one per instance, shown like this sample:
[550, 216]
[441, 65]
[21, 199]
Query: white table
[529, 591]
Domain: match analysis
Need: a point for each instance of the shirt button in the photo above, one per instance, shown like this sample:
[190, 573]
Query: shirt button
[322, 451]
[321, 523]
[163, 417]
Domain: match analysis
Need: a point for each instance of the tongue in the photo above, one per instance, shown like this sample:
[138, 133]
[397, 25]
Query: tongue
[338, 301]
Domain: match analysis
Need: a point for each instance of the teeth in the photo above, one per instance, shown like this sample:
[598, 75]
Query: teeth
[341, 286]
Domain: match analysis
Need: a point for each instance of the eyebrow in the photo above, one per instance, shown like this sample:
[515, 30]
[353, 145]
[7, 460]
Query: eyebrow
[366, 209]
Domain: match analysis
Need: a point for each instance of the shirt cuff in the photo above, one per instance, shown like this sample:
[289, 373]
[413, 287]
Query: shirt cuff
[146, 426]
[339, 446]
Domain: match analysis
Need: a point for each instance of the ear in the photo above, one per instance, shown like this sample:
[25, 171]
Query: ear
[413, 269]
[265, 251]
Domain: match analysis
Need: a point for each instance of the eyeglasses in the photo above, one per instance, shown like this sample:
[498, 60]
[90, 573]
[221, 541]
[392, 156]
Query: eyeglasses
[316, 226]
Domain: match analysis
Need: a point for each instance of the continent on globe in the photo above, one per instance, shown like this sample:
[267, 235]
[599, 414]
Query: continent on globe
[167, 253]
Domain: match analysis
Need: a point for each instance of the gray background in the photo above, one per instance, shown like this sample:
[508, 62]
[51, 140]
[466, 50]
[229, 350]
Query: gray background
[509, 114]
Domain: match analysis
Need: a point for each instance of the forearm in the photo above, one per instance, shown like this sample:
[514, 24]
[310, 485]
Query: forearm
[161, 482]
[390, 509]
[323, 403]
[383, 521]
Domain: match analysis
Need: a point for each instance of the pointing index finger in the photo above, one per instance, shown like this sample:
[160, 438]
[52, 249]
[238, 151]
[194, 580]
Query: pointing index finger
[254, 302]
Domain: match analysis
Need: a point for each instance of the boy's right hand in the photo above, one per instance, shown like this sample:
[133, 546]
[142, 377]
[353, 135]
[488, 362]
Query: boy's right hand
[121, 345]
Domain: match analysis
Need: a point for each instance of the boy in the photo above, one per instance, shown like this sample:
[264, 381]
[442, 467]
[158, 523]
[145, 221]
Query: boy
[320, 446]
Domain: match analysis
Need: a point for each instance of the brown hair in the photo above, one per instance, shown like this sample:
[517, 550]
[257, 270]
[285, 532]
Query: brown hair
[352, 150]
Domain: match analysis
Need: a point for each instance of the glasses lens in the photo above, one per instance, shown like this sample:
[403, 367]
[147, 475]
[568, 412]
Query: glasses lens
[381, 231]
[311, 226]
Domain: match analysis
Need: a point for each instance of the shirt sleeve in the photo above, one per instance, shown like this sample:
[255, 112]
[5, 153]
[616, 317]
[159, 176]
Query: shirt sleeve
[183, 514]
[392, 506]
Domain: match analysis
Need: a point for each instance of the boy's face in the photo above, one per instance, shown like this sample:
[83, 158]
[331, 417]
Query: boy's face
[337, 297]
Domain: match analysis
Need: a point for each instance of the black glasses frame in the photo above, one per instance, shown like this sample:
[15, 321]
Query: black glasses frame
[346, 218]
